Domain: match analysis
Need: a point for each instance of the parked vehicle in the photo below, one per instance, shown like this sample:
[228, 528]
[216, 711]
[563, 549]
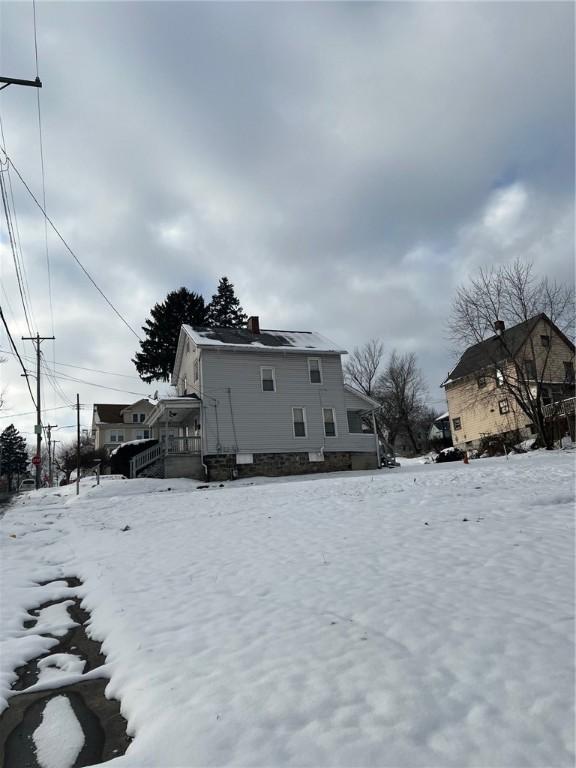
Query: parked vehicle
[27, 485]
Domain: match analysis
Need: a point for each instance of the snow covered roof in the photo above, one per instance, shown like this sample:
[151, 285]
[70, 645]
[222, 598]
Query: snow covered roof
[266, 340]
[442, 417]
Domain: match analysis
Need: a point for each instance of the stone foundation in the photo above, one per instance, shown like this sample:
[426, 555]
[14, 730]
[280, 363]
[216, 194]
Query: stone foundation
[224, 467]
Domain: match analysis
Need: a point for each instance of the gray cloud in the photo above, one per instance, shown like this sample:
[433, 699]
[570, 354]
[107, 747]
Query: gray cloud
[346, 165]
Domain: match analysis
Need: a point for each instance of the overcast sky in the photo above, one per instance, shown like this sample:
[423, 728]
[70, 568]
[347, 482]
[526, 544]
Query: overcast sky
[346, 165]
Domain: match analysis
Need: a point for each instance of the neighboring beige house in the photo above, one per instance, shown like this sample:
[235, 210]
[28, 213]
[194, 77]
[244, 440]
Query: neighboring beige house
[117, 423]
[479, 389]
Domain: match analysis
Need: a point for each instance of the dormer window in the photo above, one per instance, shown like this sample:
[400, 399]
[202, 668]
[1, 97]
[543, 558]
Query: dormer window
[314, 370]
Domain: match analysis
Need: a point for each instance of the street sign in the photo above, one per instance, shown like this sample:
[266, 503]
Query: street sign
[36, 460]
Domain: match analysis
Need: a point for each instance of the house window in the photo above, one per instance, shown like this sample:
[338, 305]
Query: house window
[355, 424]
[268, 379]
[196, 370]
[481, 381]
[530, 369]
[503, 406]
[545, 341]
[299, 421]
[116, 437]
[143, 434]
[457, 423]
[568, 371]
[329, 422]
[134, 418]
[314, 370]
[142, 417]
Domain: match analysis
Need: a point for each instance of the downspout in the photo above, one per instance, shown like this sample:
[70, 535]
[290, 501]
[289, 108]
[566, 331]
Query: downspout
[376, 439]
[204, 466]
[200, 393]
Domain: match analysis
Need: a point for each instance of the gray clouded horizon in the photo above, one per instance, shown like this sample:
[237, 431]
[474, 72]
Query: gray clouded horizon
[346, 165]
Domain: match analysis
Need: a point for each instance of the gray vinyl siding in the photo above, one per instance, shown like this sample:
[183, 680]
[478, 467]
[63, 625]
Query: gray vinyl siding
[239, 417]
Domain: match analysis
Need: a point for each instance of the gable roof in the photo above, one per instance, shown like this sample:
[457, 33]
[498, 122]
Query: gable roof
[109, 413]
[499, 347]
[266, 340]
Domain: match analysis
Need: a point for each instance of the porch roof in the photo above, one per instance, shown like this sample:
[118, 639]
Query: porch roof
[173, 410]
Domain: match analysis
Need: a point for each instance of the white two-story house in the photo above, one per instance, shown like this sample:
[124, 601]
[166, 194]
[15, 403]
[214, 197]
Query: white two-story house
[268, 402]
[117, 423]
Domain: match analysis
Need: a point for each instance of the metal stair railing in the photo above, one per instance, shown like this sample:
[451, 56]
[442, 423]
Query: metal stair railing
[145, 458]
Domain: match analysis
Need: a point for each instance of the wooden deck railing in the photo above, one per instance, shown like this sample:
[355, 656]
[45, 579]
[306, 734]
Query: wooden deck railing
[189, 444]
[560, 408]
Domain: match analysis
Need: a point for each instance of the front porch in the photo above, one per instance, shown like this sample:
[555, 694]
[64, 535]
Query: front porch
[176, 423]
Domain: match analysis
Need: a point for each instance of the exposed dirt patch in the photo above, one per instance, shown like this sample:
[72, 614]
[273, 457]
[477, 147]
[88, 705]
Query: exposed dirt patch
[103, 726]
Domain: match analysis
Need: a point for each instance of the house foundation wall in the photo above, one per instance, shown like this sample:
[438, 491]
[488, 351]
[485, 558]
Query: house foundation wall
[224, 467]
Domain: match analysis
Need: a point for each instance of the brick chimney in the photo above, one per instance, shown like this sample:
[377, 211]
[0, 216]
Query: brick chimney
[499, 327]
[253, 324]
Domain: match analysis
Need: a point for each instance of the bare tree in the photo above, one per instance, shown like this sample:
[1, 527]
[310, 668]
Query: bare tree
[514, 294]
[401, 391]
[361, 369]
[66, 457]
[511, 293]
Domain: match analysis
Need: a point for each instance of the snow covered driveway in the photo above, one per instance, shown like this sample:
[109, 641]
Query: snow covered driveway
[422, 616]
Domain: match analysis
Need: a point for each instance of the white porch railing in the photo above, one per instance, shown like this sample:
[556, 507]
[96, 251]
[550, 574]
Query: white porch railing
[560, 408]
[144, 458]
[190, 444]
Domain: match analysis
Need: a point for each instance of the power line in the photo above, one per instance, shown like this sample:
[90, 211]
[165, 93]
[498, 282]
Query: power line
[69, 249]
[17, 354]
[30, 413]
[13, 249]
[35, 35]
[81, 367]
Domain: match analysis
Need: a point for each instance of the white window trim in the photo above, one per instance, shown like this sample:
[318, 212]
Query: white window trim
[114, 434]
[329, 408]
[267, 368]
[305, 435]
[319, 368]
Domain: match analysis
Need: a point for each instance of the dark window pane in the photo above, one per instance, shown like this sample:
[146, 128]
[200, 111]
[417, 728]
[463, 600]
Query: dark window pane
[315, 377]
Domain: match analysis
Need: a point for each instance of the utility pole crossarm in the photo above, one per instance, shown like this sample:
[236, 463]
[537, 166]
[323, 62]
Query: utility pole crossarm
[37, 83]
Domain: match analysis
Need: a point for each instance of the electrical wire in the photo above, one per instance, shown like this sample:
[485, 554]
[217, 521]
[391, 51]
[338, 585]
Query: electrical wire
[80, 367]
[14, 252]
[17, 354]
[35, 35]
[32, 413]
[69, 249]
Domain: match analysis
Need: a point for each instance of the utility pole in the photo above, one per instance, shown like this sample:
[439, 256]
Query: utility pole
[38, 428]
[77, 444]
[54, 452]
[49, 428]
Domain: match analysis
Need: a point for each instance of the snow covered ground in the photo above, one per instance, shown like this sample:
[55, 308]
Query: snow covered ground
[421, 616]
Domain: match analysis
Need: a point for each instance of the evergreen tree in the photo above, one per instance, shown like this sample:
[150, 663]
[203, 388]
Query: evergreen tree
[224, 311]
[13, 454]
[158, 349]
